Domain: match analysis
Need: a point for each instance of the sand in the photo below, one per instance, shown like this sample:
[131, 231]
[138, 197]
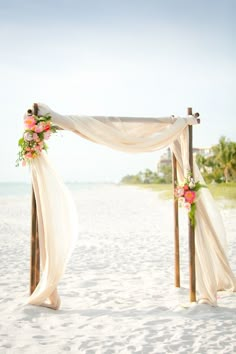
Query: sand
[117, 294]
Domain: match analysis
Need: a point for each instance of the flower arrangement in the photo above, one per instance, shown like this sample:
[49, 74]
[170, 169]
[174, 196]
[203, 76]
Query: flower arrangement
[186, 194]
[32, 143]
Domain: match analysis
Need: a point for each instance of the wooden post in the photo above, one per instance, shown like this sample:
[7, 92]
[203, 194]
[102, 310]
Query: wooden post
[35, 253]
[176, 223]
[192, 271]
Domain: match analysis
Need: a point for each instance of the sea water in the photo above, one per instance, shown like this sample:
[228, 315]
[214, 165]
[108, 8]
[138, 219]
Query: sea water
[14, 189]
[24, 189]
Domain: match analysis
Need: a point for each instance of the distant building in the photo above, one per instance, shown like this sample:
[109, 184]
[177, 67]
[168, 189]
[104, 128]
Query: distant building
[206, 152]
[166, 158]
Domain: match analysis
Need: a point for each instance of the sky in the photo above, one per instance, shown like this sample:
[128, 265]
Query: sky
[122, 58]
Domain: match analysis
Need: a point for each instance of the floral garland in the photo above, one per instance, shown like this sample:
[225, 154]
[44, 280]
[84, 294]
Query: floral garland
[32, 143]
[186, 193]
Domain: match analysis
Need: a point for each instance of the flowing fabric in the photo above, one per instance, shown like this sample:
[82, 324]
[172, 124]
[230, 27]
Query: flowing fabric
[57, 228]
[58, 223]
[213, 271]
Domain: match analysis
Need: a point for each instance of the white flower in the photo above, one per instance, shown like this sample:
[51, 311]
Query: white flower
[187, 206]
[28, 136]
[191, 185]
[181, 201]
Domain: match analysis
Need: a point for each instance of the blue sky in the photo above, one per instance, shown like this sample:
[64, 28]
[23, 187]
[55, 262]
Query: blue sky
[142, 58]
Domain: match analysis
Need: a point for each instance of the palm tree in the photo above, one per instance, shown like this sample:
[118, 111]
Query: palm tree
[201, 162]
[225, 158]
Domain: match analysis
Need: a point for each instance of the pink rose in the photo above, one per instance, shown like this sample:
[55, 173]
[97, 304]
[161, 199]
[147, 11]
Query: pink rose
[39, 127]
[29, 155]
[46, 135]
[30, 122]
[179, 192]
[35, 137]
[38, 148]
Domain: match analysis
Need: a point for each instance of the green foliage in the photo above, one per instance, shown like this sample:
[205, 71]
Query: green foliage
[131, 179]
[198, 185]
[144, 177]
[166, 171]
[220, 166]
[223, 190]
[191, 214]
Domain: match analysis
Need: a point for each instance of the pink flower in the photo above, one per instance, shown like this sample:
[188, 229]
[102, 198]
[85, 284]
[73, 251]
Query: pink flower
[30, 122]
[38, 148]
[187, 206]
[39, 127]
[190, 196]
[46, 135]
[35, 137]
[29, 155]
[28, 136]
[186, 187]
[179, 192]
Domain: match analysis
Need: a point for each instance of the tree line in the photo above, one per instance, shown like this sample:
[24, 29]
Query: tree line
[219, 166]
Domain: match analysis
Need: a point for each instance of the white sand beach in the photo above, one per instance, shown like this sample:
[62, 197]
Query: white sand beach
[118, 293]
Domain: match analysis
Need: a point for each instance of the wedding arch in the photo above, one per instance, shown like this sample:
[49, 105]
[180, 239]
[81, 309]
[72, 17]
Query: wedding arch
[54, 219]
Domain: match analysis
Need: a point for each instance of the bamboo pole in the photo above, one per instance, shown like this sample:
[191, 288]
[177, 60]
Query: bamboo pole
[34, 261]
[192, 270]
[35, 253]
[176, 224]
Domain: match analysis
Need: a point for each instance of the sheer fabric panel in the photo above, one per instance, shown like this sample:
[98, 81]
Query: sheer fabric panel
[57, 227]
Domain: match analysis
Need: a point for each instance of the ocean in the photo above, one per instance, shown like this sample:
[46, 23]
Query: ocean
[23, 189]
[14, 189]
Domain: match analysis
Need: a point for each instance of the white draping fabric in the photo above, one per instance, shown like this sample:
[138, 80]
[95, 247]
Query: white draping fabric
[213, 271]
[57, 231]
[120, 134]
